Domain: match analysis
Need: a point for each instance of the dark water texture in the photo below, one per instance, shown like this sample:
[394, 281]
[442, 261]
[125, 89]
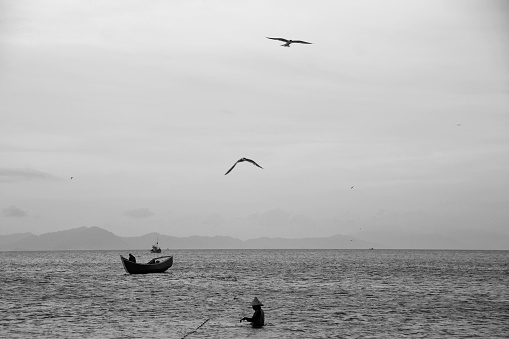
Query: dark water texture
[306, 294]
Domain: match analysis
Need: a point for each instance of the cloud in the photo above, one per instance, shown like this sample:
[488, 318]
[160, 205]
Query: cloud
[21, 174]
[139, 213]
[14, 212]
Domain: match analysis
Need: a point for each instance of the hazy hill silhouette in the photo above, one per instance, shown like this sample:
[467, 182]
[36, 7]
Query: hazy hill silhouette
[12, 238]
[95, 238]
[82, 238]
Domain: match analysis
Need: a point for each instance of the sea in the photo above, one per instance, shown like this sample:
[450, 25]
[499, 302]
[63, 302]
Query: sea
[305, 293]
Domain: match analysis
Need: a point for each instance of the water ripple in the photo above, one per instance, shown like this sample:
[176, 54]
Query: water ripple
[307, 294]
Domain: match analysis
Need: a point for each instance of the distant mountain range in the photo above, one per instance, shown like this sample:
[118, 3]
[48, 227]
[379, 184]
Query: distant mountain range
[95, 238]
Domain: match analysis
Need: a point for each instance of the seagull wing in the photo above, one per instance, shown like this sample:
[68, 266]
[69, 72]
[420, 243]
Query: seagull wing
[254, 163]
[231, 168]
[302, 42]
[280, 39]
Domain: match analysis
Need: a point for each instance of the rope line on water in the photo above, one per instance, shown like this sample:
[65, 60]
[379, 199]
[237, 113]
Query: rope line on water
[196, 329]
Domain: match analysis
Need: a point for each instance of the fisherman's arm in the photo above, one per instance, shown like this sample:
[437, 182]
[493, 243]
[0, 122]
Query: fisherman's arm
[255, 317]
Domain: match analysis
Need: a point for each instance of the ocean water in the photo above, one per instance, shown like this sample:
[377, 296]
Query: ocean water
[306, 294]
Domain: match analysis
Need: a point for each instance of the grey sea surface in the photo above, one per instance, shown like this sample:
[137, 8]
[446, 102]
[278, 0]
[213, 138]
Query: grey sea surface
[306, 294]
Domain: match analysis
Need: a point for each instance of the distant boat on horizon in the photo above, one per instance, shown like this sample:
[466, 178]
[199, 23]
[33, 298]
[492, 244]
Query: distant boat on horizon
[156, 248]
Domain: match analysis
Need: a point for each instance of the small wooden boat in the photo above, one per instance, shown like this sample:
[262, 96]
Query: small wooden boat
[156, 265]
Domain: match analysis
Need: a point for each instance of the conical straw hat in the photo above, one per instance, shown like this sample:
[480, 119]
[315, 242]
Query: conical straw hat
[256, 302]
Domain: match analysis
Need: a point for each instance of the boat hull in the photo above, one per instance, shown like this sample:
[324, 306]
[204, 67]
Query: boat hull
[138, 268]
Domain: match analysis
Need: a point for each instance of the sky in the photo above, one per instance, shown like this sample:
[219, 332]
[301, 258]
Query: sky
[146, 104]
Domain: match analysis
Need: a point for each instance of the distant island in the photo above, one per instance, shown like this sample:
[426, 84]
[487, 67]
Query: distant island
[96, 238]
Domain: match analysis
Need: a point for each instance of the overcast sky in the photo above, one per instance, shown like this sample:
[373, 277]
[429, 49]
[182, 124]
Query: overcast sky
[146, 104]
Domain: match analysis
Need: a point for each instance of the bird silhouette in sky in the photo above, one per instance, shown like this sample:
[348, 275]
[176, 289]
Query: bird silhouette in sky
[72, 177]
[288, 42]
[351, 187]
[241, 160]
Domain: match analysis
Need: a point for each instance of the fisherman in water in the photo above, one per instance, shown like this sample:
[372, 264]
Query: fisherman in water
[258, 319]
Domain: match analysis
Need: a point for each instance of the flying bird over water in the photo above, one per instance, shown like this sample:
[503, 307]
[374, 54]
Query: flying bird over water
[241, 160]
[288, 42]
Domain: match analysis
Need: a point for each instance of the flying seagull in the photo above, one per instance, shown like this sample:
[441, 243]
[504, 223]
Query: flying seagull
[288, 42]
[241, 160]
